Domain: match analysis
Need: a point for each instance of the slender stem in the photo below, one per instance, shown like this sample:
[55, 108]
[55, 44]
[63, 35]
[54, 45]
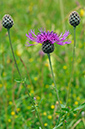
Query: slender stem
[13, 53]
[54, 80]
[33, 103]
[72, 69]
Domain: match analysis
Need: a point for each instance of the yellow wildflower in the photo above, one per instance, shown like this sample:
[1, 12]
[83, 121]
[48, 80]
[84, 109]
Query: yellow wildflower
[32, 91]
[45, 124]
[28, 86]
[4, 74]
[18, 53]
[18, 109]
[65, 67]
[50, 94]
[47, 86]
[31, 60]
[29, 107]
[46, 64]
[75, 115]
[76, 102]
[35, 78]
[49, 117]
[60, 101]
[37, 97]
[12, 113]
[8, 61]
[44, 113]
[78, 98]
[10, 102]
[0, 85]
[52, 84]
[9, 120]
[82, 12]
[52, 106]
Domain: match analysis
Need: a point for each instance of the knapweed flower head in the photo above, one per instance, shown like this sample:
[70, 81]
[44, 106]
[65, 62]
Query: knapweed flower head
[7, 21]
[47, 39]
[74, 19]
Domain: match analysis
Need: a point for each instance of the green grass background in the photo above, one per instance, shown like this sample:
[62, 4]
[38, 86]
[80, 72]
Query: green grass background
[16, 110]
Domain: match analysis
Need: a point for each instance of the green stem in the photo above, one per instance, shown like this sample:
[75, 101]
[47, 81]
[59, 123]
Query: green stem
[33, 103]
[54, 80]
[72, 69]
[13, 53]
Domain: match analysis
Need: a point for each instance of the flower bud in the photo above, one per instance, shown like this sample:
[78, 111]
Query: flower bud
[7, 21]
[74, 19]
[47, 47]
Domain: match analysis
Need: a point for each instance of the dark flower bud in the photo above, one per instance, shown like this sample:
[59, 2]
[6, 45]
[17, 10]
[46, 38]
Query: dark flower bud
[47, 47]
[74, 19]
[7, 21]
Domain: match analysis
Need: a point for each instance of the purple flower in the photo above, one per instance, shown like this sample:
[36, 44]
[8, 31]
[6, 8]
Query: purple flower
[44, 37]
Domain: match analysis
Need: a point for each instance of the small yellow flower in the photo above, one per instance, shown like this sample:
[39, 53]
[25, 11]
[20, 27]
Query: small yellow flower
[7, 96]
[78, 98]
[37, 97]
[32, 91]
[44, 113]
[50, 94]
[9, 120]
[10, 102]
[36, 105]
[52, 106]
[18, 53]
[8, 61]
[82, 12]
[28, 86]
[49, 117]
[47, 86]
[60, 102]
[4, 74]
[29, 107]
[35, 78]
[46, 64]
[52, 84]
[45, 124]
[18, 109]
[72, 41]
[74, 115]
[31, 60]
[0, 85]
[65, 67]
[76, 102]
[12, 113]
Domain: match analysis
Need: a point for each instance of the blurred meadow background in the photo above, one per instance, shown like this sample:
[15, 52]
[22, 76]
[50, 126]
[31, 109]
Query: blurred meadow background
[16, 110]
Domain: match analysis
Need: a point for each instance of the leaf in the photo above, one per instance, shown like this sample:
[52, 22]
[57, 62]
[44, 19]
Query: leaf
[71, 123]
[80, 107]
[58, 125]
[65, 109]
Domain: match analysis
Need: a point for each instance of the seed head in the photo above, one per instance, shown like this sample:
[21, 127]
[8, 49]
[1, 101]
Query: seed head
[7, 21]
[74, 19]
[47, 47]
